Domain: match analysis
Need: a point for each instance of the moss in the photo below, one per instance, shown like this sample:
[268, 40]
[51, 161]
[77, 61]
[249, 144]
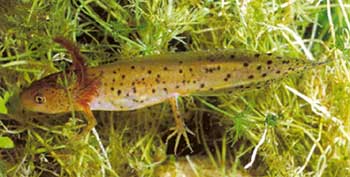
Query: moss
[305, 128]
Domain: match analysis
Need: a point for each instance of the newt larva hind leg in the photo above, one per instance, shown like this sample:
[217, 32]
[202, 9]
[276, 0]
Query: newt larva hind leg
[180, 128]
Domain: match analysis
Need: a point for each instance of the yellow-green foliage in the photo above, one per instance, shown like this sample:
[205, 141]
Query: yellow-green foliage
[298, 127]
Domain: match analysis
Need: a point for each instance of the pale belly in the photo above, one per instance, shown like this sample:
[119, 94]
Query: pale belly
[113, 103]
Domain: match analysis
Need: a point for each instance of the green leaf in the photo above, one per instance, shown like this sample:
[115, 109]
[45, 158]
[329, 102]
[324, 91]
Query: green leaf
[3, 100]
[271, 120]
[6, 142]
[2, 169]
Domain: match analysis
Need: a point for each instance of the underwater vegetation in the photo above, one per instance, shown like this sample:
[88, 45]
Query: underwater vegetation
[272, 112]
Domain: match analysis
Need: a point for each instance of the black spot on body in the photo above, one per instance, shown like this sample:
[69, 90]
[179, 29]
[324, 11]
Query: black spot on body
[149, 72]
[211, 69]
[112, 88]
[285, 62]
[257, 55]
[165, 68]
[269, 62]
[232, 56]
[251, 77]
[114, 72]
[119, 92]
[278, 71]
[132, 67]
[202, 85]
[123, 76]
[245, 64]
[259, 67]
[153, 90]
[180, 71]
[264, 75]
[269, 54]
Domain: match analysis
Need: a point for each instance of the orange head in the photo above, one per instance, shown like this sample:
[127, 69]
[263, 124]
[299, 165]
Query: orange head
[47, 96]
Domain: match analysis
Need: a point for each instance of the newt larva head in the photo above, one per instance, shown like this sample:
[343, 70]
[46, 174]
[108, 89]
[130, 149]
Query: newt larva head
[46, 96]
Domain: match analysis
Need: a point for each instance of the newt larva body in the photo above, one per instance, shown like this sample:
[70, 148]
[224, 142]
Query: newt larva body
[133, 84]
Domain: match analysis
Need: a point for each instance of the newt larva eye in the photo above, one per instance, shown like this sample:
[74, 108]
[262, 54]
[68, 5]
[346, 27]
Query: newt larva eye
[39, 99]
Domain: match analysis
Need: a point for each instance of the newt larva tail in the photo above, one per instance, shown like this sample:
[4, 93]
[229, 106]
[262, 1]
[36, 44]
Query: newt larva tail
[262, 74]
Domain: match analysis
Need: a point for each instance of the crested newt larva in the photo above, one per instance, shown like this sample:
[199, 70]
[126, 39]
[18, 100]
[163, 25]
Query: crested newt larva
[145, 81]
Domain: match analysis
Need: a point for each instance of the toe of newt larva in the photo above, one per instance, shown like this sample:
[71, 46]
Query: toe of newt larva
[133, 84]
